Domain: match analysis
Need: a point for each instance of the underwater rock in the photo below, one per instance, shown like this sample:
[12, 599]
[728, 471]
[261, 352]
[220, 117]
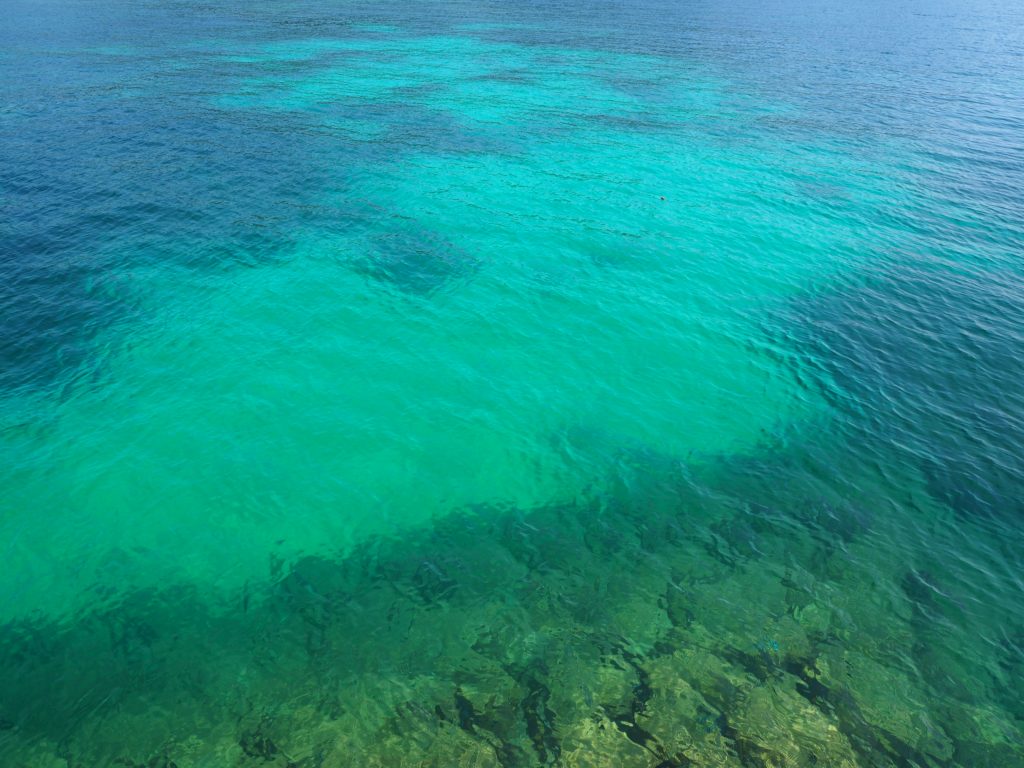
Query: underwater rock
[814, 619]
[37, 754]
[983, 736]
[315, 590]
[596, 742]
[586, 681]
[679, 604]
[949, 674]
[641, 622]
[775, 726]
[842, 520]
[538, 716]
[867, 614]
[888, 701]
[979, 755]
[447, 747]
[739, 611]
[676, 715]
[487, 703]
[128, 738]
[742, 535]
[257, 743]
[790, 640]
[846, 520]
[693, 693]
[720, 683]
[389, 721]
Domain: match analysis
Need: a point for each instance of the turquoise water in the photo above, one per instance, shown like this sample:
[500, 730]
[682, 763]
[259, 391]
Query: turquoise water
[465, 385]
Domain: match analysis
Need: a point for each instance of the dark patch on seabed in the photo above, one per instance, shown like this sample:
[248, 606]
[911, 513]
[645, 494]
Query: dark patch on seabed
[933, 359]
[399, 251]
[81, 218]
[677, 624]
[415, 259]
[406, 126]
[87, 203]
[44, 309]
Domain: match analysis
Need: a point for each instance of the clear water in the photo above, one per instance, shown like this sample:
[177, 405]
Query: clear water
[466, 384]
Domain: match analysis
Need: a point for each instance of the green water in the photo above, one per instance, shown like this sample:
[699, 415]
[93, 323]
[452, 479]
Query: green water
[477, 424]
[587, 281]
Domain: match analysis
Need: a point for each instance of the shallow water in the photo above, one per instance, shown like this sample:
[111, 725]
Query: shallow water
[454, 384]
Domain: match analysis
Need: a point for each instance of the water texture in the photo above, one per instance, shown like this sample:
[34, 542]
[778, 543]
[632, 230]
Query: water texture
[566, 384]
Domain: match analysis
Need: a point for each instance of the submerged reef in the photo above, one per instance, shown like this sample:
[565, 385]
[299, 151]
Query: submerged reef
[663, 626]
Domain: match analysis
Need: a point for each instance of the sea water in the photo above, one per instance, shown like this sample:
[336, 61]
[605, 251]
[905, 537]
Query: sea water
[466, 384]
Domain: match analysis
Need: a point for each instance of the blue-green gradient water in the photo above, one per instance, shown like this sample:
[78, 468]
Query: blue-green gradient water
[487, 384]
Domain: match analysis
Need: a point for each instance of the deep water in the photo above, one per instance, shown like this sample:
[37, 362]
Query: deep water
[488, 384]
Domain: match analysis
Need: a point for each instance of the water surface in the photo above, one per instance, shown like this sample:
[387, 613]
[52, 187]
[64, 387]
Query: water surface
[459, 384]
